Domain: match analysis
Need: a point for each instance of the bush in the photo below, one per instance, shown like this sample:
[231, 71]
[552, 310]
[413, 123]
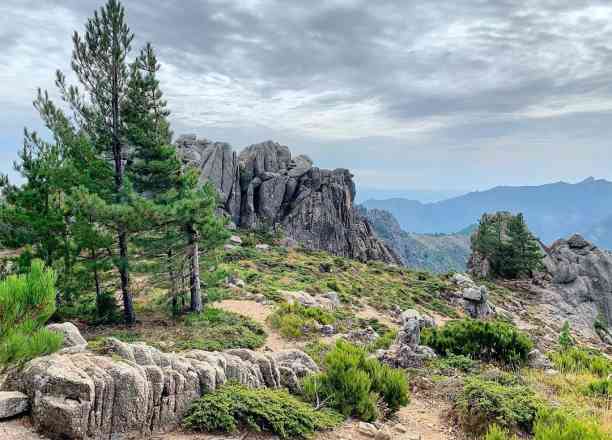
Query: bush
[500, 400]
[581, 360]
[383, 342]
[488, 341]
[216, 329]
[357, 385]
[497, 433]
[26, 303]
[455, 362]
[599, 388]
[233, 406]
[295, 320]
[561, 425]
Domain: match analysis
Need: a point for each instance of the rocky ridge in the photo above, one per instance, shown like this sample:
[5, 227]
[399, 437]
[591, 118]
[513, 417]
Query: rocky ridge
[265, 187]
[138, 390]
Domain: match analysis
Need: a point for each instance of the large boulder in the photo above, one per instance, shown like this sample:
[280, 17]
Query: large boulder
[265, 187]
[407, 351]
[135, 389]
[581, 282]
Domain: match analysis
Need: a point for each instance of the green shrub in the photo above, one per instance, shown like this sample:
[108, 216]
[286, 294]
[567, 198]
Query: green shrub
[565, 338]
[581, 360]
[600, 388]
[356, 384]
[497, 433]
[216, 329]
[26, 303]
[561, 425]
[317, 350]
[496, 400]
[455, 362]
[295, 320]
[234, 406]
[485, 340]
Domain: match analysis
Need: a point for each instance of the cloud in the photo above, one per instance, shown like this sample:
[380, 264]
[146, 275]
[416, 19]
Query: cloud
[408, 94]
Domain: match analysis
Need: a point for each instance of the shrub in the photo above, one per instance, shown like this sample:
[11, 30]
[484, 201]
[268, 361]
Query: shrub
[496, 400]
[295, 320]
[233, 406]
[216, 329]
[454, 362]
[561, 425]
[581, 360]
[565, 338]
[383, 342]
[497, 433]
[357, 385]
[488, 341]
[26, 303]
[599, 388]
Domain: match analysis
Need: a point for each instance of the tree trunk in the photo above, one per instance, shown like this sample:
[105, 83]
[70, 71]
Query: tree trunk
[194, 278]
[97, 282]
[173, 284]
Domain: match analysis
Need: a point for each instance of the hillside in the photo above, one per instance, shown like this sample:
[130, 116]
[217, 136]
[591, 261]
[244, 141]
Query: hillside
[552, 211]
[439, 253]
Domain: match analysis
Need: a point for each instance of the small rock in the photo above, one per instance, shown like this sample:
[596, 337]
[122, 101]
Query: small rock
[240, 283]
[235, 239]
[260, 297]
[328, 330]
[367, 429]
[262, 247]
[383, 434]
[325, 267]
[13, 404]
[231, 226]
[400, 428]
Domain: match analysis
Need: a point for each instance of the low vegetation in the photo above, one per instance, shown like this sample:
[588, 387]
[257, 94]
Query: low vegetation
[27, 301]
[297, 321]
[581, 360]
[234, 406]
[500, 399]
[212, 330]
[357, 385]
[485, 340]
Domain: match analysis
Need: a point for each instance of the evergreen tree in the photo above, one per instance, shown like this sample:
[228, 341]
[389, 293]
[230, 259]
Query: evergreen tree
[99, 61]
[506, 243]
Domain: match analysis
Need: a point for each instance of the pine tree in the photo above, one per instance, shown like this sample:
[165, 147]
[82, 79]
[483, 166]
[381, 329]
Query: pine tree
[524, 256]
[99, 61]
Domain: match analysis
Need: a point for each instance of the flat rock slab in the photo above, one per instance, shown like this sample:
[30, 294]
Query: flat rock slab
[12, 404]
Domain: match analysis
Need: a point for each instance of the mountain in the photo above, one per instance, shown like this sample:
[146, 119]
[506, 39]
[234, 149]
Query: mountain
[265, 187]
[601, 233]
[552, 211]
[438, 253]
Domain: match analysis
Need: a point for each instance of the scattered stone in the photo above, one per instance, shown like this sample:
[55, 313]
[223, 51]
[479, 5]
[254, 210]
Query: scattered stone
[260, 297]
[231, 226]
[72, 336]
[325, 267]
[235, 239]
[383, 434]
[262, 247]
[536, 359]
[308, 300]
[407, 352]
[367, 429]
[362, 336]
[328, 330]
[400, 428]
[12, 404]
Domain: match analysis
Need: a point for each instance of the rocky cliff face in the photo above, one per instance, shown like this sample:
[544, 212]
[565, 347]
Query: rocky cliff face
[265, 187]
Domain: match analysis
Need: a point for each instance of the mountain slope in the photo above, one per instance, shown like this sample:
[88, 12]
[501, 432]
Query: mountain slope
[601, 233]
[438, 253]
[552, 211]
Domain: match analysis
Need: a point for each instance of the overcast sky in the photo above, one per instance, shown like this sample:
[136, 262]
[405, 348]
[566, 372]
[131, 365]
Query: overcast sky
[443, 95]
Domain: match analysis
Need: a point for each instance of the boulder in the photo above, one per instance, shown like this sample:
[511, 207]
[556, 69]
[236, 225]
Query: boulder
[12, 404]
[537, 360]
[308, 300]
[139, 390]
[72, 336]
[407, 351]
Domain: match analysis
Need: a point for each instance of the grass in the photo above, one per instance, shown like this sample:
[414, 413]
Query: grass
[374, 283]
[213, 330]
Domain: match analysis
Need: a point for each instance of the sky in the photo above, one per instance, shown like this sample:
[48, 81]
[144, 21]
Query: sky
[444, 96]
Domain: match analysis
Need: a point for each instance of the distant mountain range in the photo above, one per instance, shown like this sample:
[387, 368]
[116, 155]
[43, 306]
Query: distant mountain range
[552, 211]
[439, 253]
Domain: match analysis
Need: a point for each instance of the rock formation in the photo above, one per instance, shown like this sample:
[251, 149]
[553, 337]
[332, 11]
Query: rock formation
[76, 394]
[475, 298]
[407, 351]
[581, 283]
[265, 187]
